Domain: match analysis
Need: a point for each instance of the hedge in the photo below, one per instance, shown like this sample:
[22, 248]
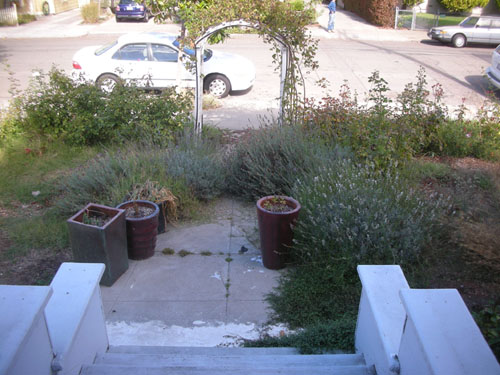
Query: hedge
[377, 12]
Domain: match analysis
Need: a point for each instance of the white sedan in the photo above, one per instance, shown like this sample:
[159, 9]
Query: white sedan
[493, 72]
[150, 60]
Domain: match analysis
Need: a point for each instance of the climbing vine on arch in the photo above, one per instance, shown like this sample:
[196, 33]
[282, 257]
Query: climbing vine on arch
[272, 19]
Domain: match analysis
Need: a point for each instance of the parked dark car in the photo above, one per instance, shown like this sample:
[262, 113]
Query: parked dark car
[129, 9]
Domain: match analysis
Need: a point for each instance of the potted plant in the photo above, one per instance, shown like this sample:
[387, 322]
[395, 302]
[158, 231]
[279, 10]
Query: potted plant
[98, 235]
[276, 215]
[166, 201]
[141, 217]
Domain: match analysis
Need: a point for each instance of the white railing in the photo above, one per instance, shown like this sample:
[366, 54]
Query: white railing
[8, 16]
[54, 329]
[417, 331]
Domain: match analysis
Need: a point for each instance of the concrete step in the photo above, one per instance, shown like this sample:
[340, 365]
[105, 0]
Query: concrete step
[231, 361]
[199, 350]
[287, 370]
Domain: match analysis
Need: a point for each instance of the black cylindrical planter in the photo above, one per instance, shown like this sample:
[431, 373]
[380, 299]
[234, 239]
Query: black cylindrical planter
[276, 232]
[141, 231]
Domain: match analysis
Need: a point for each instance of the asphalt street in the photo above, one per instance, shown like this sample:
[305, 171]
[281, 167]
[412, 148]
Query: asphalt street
[349, 56]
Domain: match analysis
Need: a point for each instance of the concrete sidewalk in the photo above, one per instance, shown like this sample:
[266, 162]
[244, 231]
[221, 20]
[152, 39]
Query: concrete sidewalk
[212, 296]
[69, 24]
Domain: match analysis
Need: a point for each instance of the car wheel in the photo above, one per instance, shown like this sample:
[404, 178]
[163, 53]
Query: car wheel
[107, 82]
[217, 85]
[459, 41]
[118, 19]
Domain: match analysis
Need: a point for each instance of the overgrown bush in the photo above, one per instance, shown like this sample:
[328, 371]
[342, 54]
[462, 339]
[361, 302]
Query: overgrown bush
[200, 164]
[412, 3]
[388, 132]
[191, 170]
[478, 137]
[489, 321]
[353, 214]
[463, 5]
[109, 179]
[25, 18]
[299, 5]
[329, 336]
[90, 13]
[269, 161]
[310, 294]
[377, 12]
[56, 106]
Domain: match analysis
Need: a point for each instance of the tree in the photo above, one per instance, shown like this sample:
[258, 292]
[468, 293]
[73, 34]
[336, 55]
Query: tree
[463, 5]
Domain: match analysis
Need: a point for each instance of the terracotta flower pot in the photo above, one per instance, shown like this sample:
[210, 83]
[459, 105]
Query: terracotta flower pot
[98, 235]
[276, 229]
[142, 230]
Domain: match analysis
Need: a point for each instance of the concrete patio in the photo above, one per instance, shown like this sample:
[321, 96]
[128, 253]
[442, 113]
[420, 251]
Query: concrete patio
[216, 290]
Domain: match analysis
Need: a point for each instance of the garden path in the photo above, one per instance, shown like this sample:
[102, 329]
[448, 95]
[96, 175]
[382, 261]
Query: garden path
[213, 295]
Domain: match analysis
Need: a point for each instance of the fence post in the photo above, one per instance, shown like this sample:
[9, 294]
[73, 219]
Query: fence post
[396, 18]
[413, 18]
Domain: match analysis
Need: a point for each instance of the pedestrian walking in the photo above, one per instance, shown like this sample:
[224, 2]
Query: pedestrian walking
[332, 8]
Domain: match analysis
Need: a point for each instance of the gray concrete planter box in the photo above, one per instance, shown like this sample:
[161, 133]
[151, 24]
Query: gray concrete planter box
[106, 244]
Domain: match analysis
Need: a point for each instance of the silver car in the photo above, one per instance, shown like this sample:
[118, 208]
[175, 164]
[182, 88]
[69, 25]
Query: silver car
[474, 29]
[493, 72]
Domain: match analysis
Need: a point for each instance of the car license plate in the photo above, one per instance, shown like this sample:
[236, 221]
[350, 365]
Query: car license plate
[129, 8]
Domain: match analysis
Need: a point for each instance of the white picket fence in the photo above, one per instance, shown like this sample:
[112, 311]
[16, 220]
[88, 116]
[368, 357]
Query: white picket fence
[9, 15]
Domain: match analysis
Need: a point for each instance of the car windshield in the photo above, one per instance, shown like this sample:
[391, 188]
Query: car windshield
[106, 47]
[469, 22]
[127, 2]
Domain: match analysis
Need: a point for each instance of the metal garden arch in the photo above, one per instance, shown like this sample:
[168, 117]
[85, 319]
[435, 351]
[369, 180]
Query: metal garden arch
[199, 48]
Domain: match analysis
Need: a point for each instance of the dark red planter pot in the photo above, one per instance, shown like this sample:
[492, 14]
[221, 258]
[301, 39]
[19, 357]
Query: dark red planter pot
[141, 232]
[276, 232]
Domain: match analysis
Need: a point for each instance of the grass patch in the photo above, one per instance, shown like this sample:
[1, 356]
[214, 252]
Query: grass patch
[326, 337]
[45, 231]
[206, 253]
[24, 169]
[184, 253]
[168, 251]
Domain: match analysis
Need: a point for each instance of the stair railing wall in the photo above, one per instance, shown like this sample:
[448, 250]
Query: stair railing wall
[417, 331]
[63, 326]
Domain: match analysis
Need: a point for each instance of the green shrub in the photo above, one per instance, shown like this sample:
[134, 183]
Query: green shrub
[388, 132]
[488, 320]
[310, 12]
[36, 232]
[199, 163]
[109, 179]
[58, 107]
[269, 160]
[310, 294]
[463, 5]
[383, 132]
[25, 18]
[355, 215]
[90, 13]
[377, 12]
[479, 137]
[412, 3]
[191, 170]
[329, 336]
